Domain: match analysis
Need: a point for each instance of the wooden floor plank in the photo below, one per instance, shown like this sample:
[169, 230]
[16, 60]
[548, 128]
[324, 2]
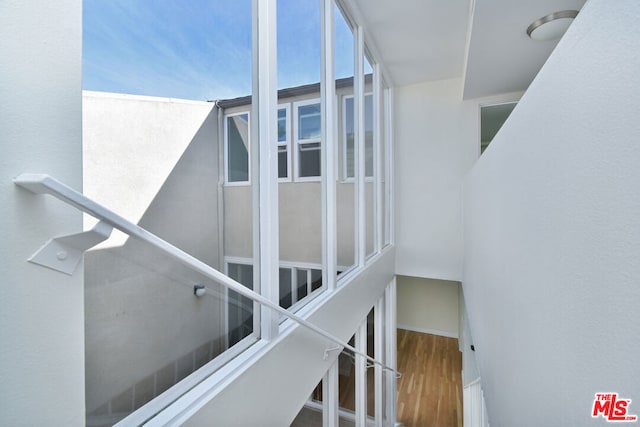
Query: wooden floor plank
[430, 390]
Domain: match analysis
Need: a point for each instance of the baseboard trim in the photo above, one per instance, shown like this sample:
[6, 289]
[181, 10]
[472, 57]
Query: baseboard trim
[429, 331]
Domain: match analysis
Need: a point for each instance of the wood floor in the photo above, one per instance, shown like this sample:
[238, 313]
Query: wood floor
[430, 390]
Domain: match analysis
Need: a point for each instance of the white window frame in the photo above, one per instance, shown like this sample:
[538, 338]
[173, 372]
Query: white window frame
[264, 73]
[287, 142]
[226, 150]
[296, 303]
[294, 267]
[298, 142]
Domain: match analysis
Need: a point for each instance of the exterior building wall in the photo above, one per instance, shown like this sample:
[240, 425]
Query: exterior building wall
[157, 160]
[299, 206]
[41, 310]
[132, 146]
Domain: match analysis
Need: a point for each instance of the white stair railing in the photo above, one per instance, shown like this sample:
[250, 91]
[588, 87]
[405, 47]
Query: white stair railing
[68, 249]
[475, 410]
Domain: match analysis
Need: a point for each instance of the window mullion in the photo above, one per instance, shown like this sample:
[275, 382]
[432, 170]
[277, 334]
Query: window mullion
[359, 148]
[328, 153]
[264, 129]
[378, 222]
[390, 350]
[390, 123]
[361, 375]
[330, 396]
[379, 346]
[294, 285]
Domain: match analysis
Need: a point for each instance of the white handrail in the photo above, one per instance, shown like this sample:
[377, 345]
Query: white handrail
[45, 184]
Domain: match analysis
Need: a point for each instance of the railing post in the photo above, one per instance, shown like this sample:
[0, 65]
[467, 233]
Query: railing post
[330, 396]
[361, 375]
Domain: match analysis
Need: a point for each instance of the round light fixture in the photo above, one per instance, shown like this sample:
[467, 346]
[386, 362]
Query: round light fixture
[551, 26]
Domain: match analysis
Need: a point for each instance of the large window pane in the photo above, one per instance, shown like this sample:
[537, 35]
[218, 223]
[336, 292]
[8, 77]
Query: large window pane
[147, 329]
[368, 136]
[349, 137]
[385, 140]
[298, 43]
[300, 198]
[369, 165]
[346, 189]
[154, 152]
[240, 312]
[349, 167]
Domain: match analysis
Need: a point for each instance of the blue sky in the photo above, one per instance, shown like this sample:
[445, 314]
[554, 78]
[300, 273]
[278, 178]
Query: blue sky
[198, 49]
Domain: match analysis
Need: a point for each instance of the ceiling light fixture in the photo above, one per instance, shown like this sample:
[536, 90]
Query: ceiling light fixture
[551, 26]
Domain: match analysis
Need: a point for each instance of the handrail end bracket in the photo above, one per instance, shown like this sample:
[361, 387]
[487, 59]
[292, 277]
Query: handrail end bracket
[34, 182]
[64, 253]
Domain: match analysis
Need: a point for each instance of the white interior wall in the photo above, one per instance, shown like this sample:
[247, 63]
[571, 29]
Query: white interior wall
[469, 366]
[552, 240]
[436, 143]
[428, 305]
[41, 310]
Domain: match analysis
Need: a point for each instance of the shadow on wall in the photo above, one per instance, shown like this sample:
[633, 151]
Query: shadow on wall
[145, 329]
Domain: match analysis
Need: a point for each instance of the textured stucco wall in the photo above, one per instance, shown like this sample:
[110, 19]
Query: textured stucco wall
[156, 159]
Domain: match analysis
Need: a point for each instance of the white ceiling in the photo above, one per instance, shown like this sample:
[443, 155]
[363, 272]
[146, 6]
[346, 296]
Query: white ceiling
[502, 58]
[418, 40]
[424, 40]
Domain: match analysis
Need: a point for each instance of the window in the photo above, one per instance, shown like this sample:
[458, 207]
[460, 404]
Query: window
[236, 148]
[240, 308]
[492, 117]
[298, 282]
[348, 136]
[308, 143]
[368, 136]
[284, 162]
